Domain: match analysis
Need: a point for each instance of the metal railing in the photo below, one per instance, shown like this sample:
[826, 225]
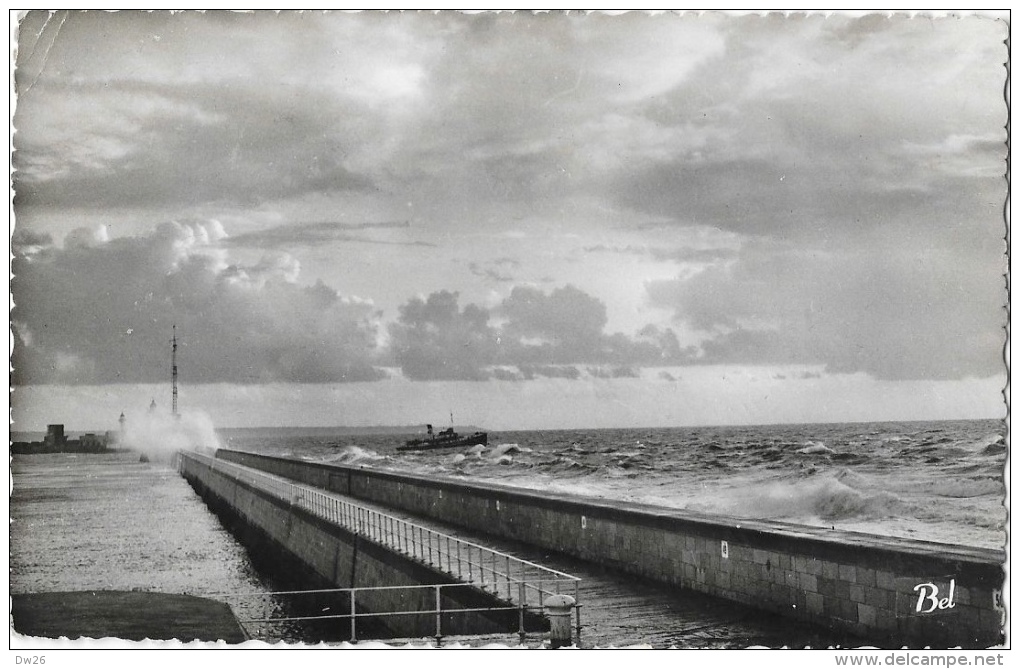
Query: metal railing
[521, 583]
[353, 615]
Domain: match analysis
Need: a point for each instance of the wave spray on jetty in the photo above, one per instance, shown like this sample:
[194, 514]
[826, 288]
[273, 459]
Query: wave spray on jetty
[158, 435]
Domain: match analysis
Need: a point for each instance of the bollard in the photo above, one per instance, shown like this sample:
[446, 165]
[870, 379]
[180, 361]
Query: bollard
[558, 608]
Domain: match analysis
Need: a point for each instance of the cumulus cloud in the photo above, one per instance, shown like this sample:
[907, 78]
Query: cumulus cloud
[566, 318]
[538, 333]
[435, 339]
[102, 312]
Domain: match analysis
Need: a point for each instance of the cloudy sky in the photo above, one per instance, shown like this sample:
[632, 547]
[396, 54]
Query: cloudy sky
[528, 220]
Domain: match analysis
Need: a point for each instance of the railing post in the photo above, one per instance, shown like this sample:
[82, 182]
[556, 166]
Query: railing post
[460, 573]
[508, 578]
[439, 617]
[354, 618]
[522, 595]
[524, 587]
[430, 548]
[577, 610]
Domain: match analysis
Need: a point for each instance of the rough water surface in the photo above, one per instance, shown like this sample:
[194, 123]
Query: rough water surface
[935, 481]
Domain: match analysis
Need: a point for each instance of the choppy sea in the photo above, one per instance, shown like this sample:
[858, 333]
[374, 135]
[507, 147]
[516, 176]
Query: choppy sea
[940, 481]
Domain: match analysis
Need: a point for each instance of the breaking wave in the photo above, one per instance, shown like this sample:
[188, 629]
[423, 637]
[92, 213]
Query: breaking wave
[350, 455]
[826, 498]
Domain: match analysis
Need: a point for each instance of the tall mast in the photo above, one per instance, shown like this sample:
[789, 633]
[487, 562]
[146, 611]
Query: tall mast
[173, 369]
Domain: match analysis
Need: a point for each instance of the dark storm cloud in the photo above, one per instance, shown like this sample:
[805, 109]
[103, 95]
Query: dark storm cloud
[925, 315]
[102, 313]
[804, 135]
[613, 372]
[809, 200]
[865, 179]
[551, 371]
[24, 242]
[682, 255]
[313, 234]
[183, 145]
[489, 273]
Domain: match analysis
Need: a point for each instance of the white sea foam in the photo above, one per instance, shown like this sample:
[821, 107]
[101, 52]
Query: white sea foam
[815, 448]
[352, 454]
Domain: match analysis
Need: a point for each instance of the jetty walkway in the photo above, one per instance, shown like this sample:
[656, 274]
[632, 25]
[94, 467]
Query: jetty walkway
[615, 609]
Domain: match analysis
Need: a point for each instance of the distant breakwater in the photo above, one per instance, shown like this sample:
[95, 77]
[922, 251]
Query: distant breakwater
[894, 591]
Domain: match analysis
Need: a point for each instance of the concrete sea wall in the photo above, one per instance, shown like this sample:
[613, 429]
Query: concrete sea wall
[328, 556]
[896, 592]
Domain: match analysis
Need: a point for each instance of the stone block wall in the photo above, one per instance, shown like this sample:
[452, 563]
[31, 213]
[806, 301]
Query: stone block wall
[895, 591]
[331, 556]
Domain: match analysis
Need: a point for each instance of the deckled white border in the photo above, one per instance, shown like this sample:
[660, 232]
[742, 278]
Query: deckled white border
[109, 652]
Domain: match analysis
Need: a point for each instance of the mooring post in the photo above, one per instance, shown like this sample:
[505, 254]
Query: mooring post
[558, 609]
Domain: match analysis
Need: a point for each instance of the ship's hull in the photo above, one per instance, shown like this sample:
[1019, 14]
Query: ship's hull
[476, 439]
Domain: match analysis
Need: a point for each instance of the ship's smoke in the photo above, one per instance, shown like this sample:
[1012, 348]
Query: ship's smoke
[158, 434]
